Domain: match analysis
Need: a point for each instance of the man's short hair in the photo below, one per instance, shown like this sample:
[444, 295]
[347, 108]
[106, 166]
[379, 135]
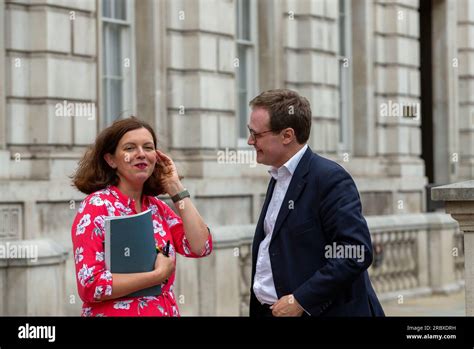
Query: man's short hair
[287, 109]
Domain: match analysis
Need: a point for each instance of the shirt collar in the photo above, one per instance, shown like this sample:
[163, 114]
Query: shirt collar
[290, 166]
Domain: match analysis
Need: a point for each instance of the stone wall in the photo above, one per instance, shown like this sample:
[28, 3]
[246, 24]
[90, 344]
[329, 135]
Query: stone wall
[50, 58]
[416, 259]
[418, 254]
[32, 279]
[191, 98]
[185, 88]
[465, 34]
[312, 66]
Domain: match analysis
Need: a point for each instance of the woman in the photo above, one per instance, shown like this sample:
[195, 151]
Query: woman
[122, 173]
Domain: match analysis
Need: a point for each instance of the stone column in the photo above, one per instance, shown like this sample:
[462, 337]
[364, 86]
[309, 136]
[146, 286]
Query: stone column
[310, 40]
[466, 88]
[397, 89]
[363, 42]
[150, 37]
[271, 52]
[459, 200]
[200, 84]
[2, 81]
[445, 89]
[32, 278]
[4, 154]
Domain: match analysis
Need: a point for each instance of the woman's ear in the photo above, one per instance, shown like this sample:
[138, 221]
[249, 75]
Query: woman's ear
[110, 160]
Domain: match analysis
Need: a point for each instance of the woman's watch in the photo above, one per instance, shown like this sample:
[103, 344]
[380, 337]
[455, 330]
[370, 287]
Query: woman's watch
[181, 195]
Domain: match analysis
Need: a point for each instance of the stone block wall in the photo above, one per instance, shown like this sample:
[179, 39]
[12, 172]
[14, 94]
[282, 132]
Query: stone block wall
[312, 65]
[465, 22]
[186, 87]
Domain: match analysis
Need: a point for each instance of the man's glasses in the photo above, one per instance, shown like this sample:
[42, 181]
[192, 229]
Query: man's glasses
[256, 135]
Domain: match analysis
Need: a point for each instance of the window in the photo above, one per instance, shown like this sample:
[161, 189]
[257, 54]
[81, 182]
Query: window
[345, 76]
[247, 71]
[117, 60]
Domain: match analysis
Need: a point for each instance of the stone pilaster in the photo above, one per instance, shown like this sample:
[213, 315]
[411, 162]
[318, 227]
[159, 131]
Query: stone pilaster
[465, 21]
[32, 278]
[459, 201]
[397, 101]
[312, 66]
[201, 82]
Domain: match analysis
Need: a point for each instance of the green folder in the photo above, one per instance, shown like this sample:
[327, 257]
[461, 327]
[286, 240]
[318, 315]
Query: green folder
[130, 247]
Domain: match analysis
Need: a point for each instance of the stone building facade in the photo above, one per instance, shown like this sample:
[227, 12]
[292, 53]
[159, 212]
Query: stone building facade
[391, 85]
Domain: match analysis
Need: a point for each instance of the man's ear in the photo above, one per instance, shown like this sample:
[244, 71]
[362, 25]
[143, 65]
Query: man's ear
[110, 160]
[288, 135]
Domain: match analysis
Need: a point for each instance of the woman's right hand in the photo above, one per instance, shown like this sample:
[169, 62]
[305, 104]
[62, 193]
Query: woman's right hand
[164, 267]
[124, 284]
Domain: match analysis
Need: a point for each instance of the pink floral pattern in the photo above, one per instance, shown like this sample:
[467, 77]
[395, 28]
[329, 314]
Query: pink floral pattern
[94, 281]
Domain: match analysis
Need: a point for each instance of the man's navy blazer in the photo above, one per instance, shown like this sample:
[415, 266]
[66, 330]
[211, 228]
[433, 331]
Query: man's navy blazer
[321, 208]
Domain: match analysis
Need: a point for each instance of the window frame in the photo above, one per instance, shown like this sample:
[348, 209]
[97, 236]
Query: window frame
[128, 75]
[252, 69]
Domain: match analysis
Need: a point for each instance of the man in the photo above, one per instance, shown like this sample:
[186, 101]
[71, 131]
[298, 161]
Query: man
[312, 247]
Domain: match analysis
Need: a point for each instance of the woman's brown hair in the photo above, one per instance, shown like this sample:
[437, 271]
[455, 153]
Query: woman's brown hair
[94, 173]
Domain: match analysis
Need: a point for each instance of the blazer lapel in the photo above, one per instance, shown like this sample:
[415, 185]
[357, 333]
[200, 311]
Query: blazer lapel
[294, 191]
[259, 232]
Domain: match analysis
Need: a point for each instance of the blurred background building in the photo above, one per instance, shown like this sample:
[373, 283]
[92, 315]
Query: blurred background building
[391, 85]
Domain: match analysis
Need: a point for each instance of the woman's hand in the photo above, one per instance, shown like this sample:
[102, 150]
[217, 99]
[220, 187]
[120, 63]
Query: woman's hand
[169, 178]
[164, 267]
[196, 231]
[124, 284]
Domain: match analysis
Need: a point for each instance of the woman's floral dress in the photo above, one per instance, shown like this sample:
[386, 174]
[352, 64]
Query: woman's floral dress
[93, 279]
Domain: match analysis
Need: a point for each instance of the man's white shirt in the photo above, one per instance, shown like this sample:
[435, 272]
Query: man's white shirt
[263, 286]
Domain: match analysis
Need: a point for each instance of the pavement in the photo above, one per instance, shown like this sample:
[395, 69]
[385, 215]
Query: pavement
[433, 305]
